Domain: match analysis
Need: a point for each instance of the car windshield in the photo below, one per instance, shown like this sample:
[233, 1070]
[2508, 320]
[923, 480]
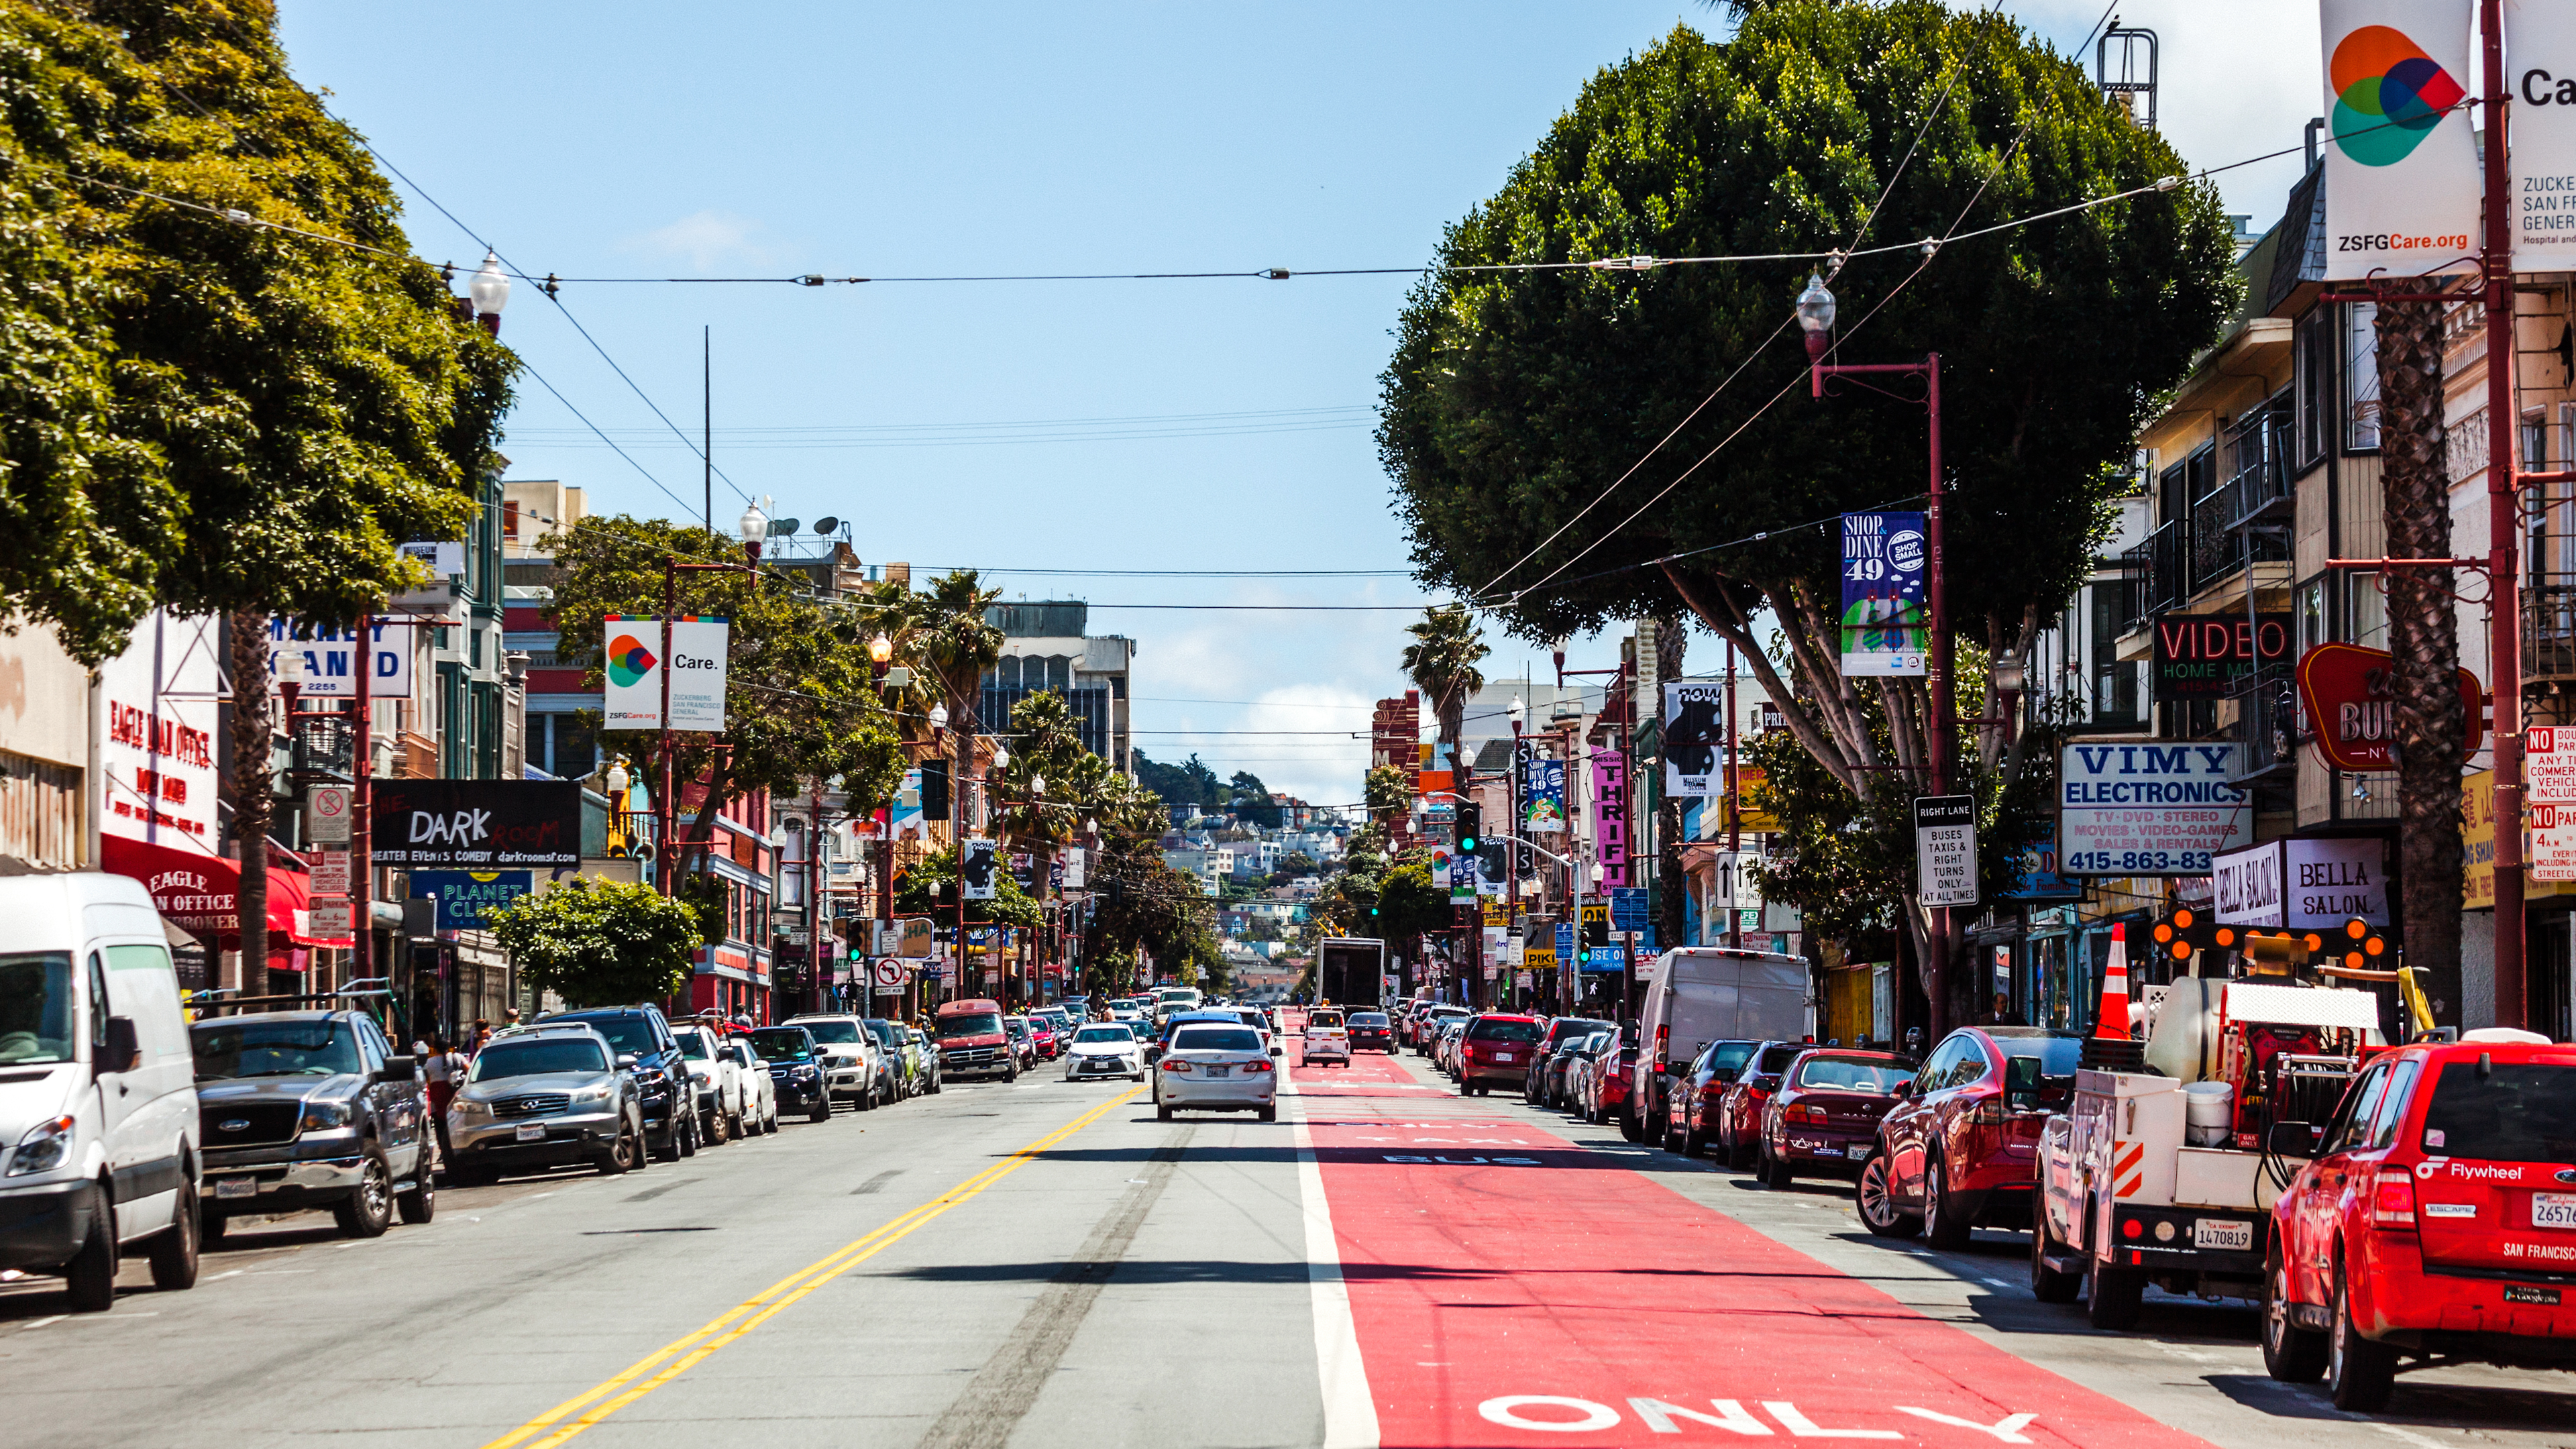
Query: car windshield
[840, 1033]
[540, 1056]
[1118, 1034]
[1489, 1029]
[1368, 1018]
[1328, 1019]
[693, 1045]
[970, 1023]
[782, 1044]
[1216, 1039]
[2512, 1112]
[883, 1029]
[36, 1007]
[1848, 1074]
[627, 1033]
[2058, 1055]
[1777, 1057]
[272, 1049]
[1730, 1056]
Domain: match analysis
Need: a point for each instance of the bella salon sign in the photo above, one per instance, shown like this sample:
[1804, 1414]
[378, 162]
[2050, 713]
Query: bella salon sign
[2303, 884]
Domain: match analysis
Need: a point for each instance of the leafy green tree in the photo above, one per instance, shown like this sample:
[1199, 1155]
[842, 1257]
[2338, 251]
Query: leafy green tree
[1139, 901]
[1389, 793]
[201, 412]
[800, 707]
[1518, 403]
[928, 888]
[1441, 661]
[1247, 799]
[1187, 783]
[600, 942]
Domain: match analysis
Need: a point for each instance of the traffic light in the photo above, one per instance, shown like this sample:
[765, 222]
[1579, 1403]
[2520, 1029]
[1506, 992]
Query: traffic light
[1471, 828]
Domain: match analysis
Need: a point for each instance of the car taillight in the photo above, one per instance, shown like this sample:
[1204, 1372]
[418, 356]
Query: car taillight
[1800, 1113]
[1250, 1067]
[1174, 1064]
[2392, 1200]
[1663, 1039]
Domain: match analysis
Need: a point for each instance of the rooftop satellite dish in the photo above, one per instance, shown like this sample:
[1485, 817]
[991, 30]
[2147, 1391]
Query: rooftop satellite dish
[782, 528]
[826, 524]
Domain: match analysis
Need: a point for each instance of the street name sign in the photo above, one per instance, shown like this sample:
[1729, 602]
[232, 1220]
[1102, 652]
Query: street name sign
[1945, 849]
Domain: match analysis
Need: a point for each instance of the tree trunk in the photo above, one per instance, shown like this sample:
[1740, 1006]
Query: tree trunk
[252, 807]
[2423, 638]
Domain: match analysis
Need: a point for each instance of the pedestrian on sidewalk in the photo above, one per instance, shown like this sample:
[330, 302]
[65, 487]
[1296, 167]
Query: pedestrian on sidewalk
[443, 1069]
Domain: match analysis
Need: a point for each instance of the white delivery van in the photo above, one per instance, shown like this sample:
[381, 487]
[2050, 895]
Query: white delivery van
[98, 1096]
[1702, 994]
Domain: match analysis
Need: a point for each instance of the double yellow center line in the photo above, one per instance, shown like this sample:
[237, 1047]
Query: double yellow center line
[573, 1415]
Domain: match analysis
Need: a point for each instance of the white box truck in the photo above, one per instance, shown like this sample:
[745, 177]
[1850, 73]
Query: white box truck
[1701, 994]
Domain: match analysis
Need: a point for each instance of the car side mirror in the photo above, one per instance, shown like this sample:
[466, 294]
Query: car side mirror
[1153, 1054]
[122, 1051]
[626, 1061]
[1279, 1051]
[399, 1069]
[2291, 1139]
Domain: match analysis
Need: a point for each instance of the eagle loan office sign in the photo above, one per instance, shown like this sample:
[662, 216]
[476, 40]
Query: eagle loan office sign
[2205, 656]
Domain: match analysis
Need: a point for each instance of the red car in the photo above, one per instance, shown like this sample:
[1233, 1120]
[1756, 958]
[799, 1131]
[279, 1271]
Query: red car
[1823, 1120]
[1958, 1150]
[2435, 1220]
[1494, 1049]
[1736, 1126]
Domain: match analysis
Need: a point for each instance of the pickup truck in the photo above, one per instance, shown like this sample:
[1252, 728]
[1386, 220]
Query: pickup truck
[311, 1109]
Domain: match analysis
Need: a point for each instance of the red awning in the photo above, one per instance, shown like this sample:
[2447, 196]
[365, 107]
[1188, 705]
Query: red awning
[200, 892]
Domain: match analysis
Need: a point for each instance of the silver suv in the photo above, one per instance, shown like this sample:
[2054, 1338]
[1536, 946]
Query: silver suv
[544, 1095]
[850, 1057]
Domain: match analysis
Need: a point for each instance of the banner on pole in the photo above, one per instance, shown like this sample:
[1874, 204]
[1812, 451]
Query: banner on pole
[2402, 179]
[976, 870]
[1610, 816]
[2542, 37]
[1695, 730]
[631, 650]
[1543, 800]
[1884, 626]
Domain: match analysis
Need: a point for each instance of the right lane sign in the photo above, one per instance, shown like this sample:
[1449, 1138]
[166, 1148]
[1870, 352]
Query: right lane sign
[1945, 849]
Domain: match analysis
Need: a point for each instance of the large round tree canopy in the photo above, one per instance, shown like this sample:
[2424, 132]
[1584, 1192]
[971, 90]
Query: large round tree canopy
[1517, 397]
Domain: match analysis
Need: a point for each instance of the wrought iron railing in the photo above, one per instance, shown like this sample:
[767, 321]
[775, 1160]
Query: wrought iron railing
[2258, 452]
[2158, 571]
[2549, 628]
[2268, 723]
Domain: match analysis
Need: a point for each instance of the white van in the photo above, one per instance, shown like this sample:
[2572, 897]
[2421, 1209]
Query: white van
[1702, 994]
[98, 1097]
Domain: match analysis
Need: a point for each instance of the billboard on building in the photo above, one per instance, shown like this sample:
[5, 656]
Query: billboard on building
[330, 657]
[476, 824]
[2209, 656]
[2402, 181]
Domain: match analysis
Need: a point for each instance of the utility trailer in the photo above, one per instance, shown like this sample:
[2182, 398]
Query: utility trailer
[2129, 1194]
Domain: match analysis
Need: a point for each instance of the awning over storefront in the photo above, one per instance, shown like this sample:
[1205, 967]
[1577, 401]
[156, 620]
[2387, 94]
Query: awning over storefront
[201, 893]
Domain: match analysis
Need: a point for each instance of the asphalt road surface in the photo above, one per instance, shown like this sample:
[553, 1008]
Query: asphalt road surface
[1046, 1264]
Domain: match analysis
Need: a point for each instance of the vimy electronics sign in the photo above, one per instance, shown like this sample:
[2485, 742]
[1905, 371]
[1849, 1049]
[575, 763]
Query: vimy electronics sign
[2149, 809]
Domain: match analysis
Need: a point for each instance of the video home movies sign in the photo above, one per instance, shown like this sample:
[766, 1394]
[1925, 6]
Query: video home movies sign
[476, 824]
[2208, 656]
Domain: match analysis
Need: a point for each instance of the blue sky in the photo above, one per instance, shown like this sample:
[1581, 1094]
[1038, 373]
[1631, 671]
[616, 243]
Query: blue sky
[1215, 424]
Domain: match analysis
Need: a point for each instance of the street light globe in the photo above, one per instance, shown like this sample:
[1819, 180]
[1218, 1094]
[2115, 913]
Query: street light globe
[754, 524]
[1816, 306]
[939, 716]
[289, 668]
[490, 289]
[881, 649]
[1001, 757]
[618, 778]
[2008, 674]
[1037, 784]
[1518, 712]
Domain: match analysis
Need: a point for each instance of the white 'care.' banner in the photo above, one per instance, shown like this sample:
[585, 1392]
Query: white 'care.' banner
[631, 661]
[2540, 66]
[2402, 176]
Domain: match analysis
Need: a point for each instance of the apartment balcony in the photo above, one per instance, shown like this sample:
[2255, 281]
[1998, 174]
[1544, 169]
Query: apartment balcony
[2549, 629]
[2269, 728]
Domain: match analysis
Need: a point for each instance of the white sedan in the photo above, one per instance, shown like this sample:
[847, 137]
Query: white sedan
[759, 1091]
[1216, 1068]
[1104, 1049]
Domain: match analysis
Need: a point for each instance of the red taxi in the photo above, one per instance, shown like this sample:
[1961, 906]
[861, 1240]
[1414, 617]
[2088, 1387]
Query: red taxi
[2435, 1220]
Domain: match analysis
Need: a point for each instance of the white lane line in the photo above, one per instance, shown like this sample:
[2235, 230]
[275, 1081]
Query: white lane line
[1350, 1414]
[35, 1323]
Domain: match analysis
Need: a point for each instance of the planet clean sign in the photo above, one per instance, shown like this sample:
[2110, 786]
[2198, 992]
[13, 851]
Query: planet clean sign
[2149, 809]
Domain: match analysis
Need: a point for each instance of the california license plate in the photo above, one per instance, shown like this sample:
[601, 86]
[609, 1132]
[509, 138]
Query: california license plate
[532, 1131]
[1220, 1071]
[2233, 1236]
[1856, 1151]
[2553, 1210]
[236, 1187]
[1505, 1057]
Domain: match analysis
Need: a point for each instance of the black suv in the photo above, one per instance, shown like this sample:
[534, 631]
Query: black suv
[802, 1087]
[661, 1073]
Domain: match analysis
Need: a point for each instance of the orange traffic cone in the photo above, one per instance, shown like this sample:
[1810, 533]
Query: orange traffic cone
[2109, 1048]
[2112, 1019]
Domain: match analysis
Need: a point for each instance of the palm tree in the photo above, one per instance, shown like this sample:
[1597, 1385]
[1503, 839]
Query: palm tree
[1441, 662]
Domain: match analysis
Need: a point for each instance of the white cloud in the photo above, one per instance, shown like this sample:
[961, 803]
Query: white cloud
[706, 238]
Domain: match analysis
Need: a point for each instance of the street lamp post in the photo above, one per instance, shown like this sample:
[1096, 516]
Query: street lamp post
[1519, 712]
[1816, 318]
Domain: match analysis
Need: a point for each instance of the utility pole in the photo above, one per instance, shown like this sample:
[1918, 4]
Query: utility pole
[707, 423]
[2504, 576]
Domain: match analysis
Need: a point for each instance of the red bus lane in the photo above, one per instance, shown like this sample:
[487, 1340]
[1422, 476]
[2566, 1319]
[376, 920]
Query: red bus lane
[1509, 1288]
